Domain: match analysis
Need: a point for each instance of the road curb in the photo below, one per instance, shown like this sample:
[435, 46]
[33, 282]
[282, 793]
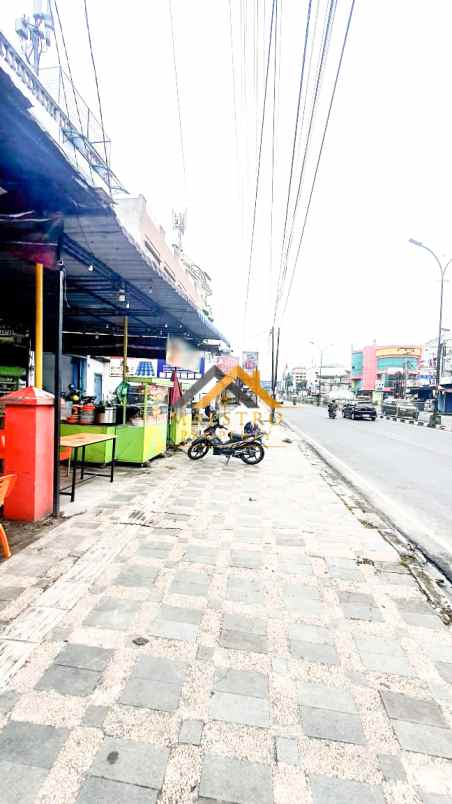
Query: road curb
[383, 506]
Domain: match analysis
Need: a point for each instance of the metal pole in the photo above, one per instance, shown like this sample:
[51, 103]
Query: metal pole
[39, 305]
[57, 389]
[124, 363]
[320, 378]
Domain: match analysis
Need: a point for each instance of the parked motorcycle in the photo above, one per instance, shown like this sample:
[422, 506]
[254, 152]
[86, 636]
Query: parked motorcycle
[332, 411]
[248, 447]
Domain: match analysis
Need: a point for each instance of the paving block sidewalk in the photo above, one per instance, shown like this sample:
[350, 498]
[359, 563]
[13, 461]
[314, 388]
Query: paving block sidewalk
[211, 634]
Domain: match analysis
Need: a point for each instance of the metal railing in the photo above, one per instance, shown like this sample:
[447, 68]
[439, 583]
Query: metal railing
[78, 124]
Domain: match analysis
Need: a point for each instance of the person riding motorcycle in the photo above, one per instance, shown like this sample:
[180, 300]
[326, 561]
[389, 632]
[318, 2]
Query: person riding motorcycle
[332, 408]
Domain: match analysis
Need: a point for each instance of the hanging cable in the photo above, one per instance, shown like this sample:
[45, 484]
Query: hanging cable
[256, 193]
[344, 43]
[99, 102]
[181, 133]
[297, 119]
[272, 195]
[324, 48]
[74, 92]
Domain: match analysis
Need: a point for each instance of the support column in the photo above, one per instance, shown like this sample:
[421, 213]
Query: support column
[39, 305]
[59, 279]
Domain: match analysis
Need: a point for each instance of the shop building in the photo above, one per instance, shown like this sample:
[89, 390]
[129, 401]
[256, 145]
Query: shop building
[380, 371]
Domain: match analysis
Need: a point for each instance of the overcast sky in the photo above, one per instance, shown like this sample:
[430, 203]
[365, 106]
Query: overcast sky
[385, 174]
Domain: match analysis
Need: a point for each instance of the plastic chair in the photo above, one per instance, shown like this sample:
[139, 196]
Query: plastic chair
[66, 455]
[6, 485]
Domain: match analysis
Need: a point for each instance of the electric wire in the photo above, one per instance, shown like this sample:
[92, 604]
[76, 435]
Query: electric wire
[258, 172]
[181, 133]
[74, 92]
[330, 107]
[323, 52]
[272, 194]
[99, 101]
[295, 136]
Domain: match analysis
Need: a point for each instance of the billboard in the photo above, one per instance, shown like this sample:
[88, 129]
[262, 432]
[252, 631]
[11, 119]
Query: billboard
[181, 354]
[399, 351]
[250, 361]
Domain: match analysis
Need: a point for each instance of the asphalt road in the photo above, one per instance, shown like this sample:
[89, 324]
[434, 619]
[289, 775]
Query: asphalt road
[410, 465]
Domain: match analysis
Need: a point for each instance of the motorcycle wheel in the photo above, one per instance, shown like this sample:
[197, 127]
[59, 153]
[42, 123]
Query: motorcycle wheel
[253, 455]
[198, 450]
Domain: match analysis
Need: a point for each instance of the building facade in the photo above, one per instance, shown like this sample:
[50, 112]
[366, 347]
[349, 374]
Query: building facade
[385, 370]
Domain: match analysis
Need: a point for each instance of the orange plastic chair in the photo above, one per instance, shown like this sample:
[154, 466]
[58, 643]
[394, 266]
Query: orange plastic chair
[66, 455]
[6, 485]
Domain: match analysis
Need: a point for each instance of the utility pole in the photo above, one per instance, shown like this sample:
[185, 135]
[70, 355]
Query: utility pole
[439, 350]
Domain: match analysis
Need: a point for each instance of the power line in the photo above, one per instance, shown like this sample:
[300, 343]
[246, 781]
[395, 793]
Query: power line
[270, 38]
[321, 149]
[272, 199]
[99, 102]
[325, 41]
[181, 134]
[297, 118]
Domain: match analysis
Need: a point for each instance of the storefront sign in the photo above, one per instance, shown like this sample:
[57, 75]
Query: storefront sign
[399, 351]
[165, 371]
[250, 360]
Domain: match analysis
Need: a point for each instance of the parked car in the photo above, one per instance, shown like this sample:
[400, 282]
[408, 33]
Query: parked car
[402, 408]
[359, 410]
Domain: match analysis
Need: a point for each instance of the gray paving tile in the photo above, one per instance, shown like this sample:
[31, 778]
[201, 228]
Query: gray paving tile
[435, 798]
[327, 725]
[357, 612]
[131, 762]
[137, 575]
[154, 668]
[381, 663]
[194, 584]
[241, 682]
[379, 645]
[239, 640]
[169, 629]
[310, 633]
[20, 783]
[414, 605]
[31, 744]
[235, 780]
[191, 732]
[430, 621]
[8, 701]
[201, 555]
[243, 709]
[349, 573]
[424, 739]
[156, 551]
[69, 680]
[250, 625]
[11, 592]
[158, 695]
[103, 791]
[205, 653]
[445, 671]
[244, 590]
[330, 790]
[312, 652]
[392, 768]
[95, 716]
[113, 613]
[181, 615]
[413, 710]
[321, 697]
[286, 749]
[246, 559]
[85, 657]
[294, 565]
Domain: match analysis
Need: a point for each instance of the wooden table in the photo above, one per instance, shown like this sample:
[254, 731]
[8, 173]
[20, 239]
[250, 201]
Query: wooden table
[81, 441]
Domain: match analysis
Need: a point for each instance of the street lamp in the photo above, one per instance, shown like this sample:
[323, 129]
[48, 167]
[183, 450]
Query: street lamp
[442, 270]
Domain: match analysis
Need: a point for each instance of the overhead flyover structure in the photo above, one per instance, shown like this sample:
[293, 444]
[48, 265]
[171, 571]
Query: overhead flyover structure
[103, 276]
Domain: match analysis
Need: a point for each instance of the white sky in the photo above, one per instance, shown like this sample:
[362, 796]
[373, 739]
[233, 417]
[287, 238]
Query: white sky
[385, 175]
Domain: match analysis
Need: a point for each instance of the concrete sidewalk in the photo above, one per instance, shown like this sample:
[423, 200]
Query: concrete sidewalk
[222, 634]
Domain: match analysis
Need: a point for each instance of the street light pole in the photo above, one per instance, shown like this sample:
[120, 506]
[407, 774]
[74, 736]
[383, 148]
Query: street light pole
[320, 378]
[442, 270]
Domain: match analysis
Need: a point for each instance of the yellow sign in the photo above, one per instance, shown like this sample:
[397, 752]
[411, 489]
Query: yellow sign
[399, 351]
